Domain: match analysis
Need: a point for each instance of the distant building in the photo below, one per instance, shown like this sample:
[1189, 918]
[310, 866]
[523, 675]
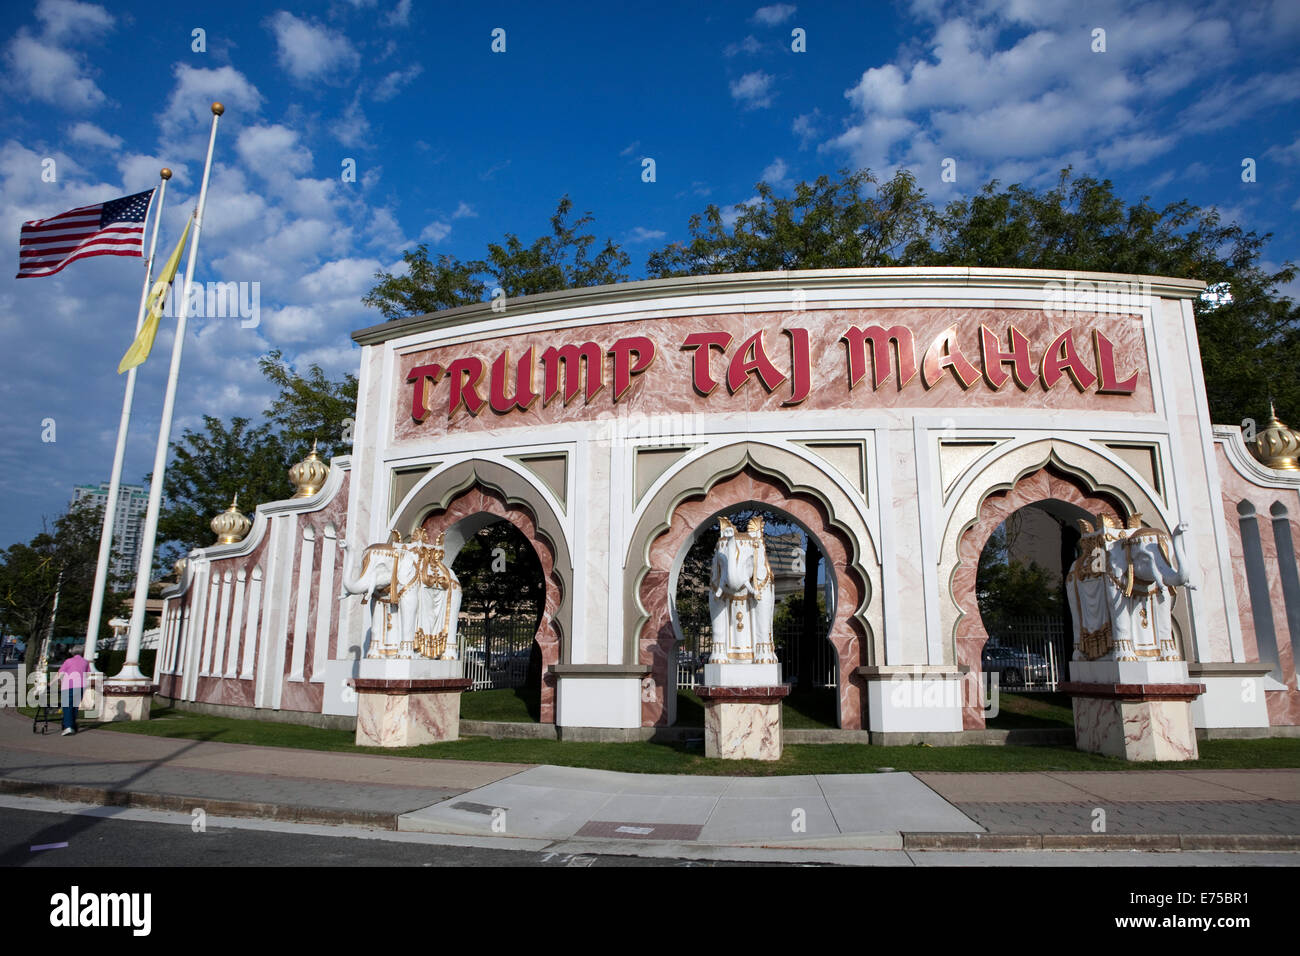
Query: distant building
[128, 521]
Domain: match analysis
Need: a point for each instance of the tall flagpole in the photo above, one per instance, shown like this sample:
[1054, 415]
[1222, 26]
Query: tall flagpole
[130, 675]
[110, 510]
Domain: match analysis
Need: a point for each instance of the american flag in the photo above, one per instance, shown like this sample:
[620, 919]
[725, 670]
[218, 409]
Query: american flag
[114, 228]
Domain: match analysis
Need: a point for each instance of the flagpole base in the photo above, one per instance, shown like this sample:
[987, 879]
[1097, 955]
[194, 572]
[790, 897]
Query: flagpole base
[127, 700]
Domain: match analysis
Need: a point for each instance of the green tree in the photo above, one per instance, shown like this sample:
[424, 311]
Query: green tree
[61, 560]
[501, 581]
[826, 224]
[311, 407]
[566, 258]
[208, 468]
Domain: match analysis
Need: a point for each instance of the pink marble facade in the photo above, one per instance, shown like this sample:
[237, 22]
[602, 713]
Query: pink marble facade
[1283, 706]
[479, 499]
[742, 730]
[1135, 730]
[1043, 485]
[666, 386]
[407, 719]
[304, 695]
[657, 637]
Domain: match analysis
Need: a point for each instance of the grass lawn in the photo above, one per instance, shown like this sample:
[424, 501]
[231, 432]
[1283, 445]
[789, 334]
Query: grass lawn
[645, 757]
[509, 705]
[1048, 711]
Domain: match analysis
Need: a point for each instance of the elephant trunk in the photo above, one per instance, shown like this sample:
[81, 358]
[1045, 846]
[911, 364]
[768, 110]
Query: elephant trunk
[1182, 573]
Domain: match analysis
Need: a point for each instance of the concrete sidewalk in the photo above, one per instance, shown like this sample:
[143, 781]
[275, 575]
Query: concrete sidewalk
[633, 813]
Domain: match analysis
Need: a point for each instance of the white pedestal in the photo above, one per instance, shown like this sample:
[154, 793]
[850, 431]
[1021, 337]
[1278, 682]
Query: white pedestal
[742, 675]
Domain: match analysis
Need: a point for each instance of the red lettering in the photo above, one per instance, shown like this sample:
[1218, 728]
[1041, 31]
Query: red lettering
[703, 343]
[741, 368]
[572, 358]
[800, 366]
[424, 378]
[465, 374]
[524, 395]
[1105, 350]
[992, 356]
[943, 353]
[856, 339]
[644, 350]
[1060, 357]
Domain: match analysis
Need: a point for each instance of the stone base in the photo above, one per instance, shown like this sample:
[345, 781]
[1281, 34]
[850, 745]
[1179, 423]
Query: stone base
[406, 703]
[126, 701]
[742, 675]
[742, 723]
[1135, 721]
[912, 699]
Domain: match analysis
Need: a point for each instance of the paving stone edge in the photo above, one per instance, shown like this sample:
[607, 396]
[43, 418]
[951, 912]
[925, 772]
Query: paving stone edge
[107, 797]
[1170, 842]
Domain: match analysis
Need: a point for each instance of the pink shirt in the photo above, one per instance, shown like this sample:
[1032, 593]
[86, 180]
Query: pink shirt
[73, 670]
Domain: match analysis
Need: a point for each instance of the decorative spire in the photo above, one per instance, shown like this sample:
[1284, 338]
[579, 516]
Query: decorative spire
[230, 526]
[1276, 446]
[308, 476]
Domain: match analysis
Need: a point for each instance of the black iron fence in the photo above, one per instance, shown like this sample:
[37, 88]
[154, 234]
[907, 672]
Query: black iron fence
[496, 652]
[787, 636]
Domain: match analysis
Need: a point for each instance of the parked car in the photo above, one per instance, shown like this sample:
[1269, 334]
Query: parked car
[1014, 665]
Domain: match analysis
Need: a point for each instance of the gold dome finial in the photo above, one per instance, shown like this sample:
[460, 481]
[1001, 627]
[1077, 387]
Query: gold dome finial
[218, 109]
[230, 526]
[308, 476]
[1276, 446]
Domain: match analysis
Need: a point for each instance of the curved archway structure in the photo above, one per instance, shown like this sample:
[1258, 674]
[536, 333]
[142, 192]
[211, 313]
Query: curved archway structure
[460, 500]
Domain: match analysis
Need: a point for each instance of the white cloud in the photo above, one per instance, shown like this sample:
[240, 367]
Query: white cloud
[629, 149]
[312, 52]
[400, 15]
[52, 75]
[273, 151]
[464, 211]
[753, 90]
[774, 13]
[352, 129]
[435, 232]
[642, 234]
[392, 84]
[188, 110]
[748, 45]
[91, 135]
[67, 19]
[774, 174]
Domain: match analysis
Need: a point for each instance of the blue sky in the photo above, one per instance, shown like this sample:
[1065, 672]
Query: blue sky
[457, 145]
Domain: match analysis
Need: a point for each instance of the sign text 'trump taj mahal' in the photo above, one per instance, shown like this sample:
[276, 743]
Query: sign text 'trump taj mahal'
[820, 359]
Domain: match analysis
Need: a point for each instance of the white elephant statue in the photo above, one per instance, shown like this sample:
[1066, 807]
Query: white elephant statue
[1121, 591]
[731, 598]
[389, 578]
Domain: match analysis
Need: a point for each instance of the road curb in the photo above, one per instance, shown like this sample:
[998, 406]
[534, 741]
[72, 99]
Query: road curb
[105, 797]
[1147, 842]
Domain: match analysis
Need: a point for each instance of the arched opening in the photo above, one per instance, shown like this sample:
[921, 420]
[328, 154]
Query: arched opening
[481, 511]
[1059, 499]
[504, 594]
[1020, 590]
[801, 620]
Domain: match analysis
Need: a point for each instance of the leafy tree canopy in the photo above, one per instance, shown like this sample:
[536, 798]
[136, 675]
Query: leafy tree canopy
[62, 559]
[566, 258]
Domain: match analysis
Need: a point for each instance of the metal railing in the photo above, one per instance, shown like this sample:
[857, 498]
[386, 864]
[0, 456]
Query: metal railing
[787, 638]
[1029, 654]
[496, 653]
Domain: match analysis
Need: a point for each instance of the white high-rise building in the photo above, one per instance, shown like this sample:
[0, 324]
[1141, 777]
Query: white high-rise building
[128, 521]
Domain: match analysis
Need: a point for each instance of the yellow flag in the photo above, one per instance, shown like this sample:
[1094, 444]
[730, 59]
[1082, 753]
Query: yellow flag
[143, 344]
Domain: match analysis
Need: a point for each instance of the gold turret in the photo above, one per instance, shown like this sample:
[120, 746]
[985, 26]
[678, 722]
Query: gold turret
[309, 475]
[1276, 446]
[230, 526]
